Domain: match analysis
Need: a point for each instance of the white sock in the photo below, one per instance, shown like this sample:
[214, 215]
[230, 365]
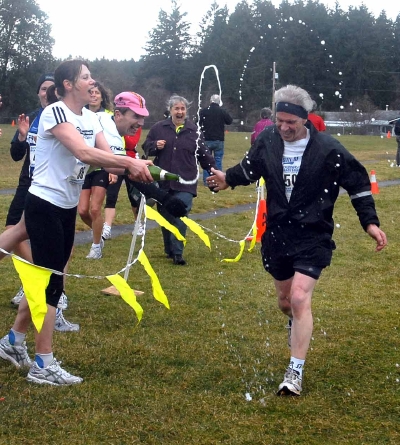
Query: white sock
[16, 338]
[96, 245]
[297, 365]
[44, 360]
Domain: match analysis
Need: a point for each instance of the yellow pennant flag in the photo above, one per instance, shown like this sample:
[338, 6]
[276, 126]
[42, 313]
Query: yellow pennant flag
[154, 215]
[254, 239]
[235, 260]
[195, 228]
[158, 292]
[34, 281]
[127, 293]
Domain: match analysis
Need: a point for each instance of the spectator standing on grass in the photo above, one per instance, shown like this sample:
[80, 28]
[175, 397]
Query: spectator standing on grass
[397, 134]
[315, 119]
[265, 121]
[212, 123]
[70, 138]
[177, 148]
[303, 171]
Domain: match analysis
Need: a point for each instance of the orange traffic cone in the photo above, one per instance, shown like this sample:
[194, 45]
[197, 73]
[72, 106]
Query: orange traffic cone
[389, 134]
[374, 184]
[13, 123]
[261, 221]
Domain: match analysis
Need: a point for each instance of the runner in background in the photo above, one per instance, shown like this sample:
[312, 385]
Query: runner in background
[113, 190]
[97, 180]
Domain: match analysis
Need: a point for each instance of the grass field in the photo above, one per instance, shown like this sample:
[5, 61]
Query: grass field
[182, 375]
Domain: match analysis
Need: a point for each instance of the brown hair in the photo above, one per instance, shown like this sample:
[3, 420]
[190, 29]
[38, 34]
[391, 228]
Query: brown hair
[68, 70]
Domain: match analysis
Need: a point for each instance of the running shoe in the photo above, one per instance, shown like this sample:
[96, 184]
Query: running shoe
[52, 375]
[291, 385]
[95, 253]
[63, 302]
[140, 231]
[106, 234]
[289, 332]
[63, 325]
[18, 297]
[17, 355]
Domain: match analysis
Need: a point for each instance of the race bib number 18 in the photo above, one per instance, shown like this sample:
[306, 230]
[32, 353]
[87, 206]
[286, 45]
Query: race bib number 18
[78, 176]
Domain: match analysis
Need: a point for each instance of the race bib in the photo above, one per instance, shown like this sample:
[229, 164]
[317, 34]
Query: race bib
[31, 139]
[78, 176]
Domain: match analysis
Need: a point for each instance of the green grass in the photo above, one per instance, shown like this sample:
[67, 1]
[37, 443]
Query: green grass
[181, 376]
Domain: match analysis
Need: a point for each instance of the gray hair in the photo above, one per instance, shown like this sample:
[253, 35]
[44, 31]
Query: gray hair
[265, 113]
[294, 95]
[314, 105]
[215, 99]
[175, 99]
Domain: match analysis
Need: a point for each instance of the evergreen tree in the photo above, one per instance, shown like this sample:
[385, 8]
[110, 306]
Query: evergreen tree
[25, 53]
[169, 45]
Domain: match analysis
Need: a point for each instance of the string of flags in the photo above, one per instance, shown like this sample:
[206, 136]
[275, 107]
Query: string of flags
[35, 279]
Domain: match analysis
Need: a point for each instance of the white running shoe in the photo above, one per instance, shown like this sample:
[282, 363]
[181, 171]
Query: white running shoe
[140, 231]
[106, 234]
[95, 253]
[52, 375]
[291, 385]
[63, 325]
[18, 297]
[17, 355]
[63, 302]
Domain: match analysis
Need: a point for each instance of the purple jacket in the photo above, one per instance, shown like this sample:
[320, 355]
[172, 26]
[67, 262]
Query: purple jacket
[259, 127]
[179, 154]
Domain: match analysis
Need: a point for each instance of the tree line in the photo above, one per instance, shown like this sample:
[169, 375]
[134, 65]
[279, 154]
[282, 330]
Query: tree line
[347, 60]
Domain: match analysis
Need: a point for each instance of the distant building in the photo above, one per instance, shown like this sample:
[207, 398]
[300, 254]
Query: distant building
[377, 123]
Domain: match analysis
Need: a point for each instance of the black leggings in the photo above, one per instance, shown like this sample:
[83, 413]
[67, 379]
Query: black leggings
[113, 191]
[51, 230]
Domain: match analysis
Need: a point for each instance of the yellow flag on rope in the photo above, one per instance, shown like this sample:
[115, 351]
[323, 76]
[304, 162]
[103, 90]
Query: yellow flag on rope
[254, 239]
[154, 215]
[127, 293]
[195, 228]
[34, 281]
[158, 292]
[235, 260]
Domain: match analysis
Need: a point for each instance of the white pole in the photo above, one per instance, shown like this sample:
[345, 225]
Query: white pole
[134, 236]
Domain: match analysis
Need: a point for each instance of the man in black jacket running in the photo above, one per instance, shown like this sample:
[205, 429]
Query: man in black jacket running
[303, 171]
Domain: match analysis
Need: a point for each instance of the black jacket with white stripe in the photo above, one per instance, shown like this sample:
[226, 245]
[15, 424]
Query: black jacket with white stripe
[326, 166]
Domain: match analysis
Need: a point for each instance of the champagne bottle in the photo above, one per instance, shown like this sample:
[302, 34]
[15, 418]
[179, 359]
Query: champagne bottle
[159, 174]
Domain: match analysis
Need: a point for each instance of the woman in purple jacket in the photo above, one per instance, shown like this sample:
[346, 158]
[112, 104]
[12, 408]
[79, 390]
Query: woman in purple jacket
[178, 148]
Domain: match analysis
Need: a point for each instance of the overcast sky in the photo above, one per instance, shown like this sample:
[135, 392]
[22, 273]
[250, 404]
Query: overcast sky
[119, 29]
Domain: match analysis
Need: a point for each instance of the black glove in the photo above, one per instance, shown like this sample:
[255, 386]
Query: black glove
[174, 206]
